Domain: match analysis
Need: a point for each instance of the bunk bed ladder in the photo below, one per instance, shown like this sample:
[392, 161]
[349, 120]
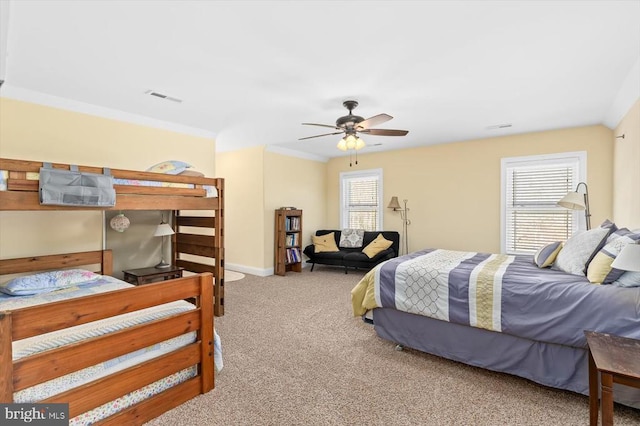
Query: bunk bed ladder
[201, 249]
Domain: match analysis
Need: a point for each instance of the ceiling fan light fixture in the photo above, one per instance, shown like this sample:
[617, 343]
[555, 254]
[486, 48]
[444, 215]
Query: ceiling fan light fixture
[351, 142]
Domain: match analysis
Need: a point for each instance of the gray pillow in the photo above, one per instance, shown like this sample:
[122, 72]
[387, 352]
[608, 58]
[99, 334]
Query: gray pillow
[352, 238]
[546, 255]
[579, 250]
[628, 279]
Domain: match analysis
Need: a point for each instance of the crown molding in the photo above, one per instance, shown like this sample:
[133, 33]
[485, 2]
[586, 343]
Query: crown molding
[26, 95]
[293, 153]
[628, 94]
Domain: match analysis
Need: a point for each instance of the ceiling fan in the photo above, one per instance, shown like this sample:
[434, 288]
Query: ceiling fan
[351, 125]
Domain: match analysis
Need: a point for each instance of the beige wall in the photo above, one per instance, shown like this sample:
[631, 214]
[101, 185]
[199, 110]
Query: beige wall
[257, 182]
[626, 170]
[454, 189]
[292, 181]
[34, 132]
[244, 226]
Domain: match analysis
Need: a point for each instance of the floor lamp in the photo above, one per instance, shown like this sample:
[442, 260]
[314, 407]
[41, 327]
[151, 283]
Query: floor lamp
[395, 205]
[577, 201]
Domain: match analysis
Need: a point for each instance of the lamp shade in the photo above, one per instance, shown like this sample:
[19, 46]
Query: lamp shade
[573, 201]
[394, 204]
[628, 259]
[162, 230]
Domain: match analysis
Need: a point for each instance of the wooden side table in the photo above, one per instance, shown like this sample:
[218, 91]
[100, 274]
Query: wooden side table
[617, 359]
[148, 275]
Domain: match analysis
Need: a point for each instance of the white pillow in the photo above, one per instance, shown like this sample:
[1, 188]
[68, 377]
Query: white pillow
[579, 250]
[170, 167]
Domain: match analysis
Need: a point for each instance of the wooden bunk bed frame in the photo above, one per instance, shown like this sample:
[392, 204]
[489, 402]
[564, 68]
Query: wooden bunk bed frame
[23, 194]
[32, 321]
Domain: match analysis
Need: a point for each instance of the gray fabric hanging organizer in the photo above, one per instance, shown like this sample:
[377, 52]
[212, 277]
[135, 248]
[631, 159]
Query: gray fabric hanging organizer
[75, 188]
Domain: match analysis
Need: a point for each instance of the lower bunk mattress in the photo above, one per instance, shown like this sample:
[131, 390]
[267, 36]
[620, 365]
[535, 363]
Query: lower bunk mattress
[37, 344]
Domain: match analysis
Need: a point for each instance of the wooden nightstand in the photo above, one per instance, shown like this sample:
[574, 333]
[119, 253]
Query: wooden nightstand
[617, 359]
[148, 275]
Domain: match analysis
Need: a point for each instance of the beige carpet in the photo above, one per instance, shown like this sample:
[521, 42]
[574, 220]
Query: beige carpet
[294, 355]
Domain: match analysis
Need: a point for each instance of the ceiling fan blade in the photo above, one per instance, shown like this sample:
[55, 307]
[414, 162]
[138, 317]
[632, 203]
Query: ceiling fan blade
[317, 136]
[384, 132]
[321, 125]
[373, 121]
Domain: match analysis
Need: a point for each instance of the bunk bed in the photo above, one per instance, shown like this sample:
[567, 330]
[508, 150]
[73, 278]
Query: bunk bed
[184, 371]
[178, 193]
[69, 349]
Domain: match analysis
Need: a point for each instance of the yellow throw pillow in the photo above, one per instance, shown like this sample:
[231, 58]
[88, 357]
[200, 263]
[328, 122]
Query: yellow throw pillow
[324, 243]
[376, 246]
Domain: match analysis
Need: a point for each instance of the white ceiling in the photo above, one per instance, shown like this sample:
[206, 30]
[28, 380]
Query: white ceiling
[250, 72]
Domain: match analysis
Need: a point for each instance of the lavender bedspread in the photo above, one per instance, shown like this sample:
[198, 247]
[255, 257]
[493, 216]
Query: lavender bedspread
[507, 294]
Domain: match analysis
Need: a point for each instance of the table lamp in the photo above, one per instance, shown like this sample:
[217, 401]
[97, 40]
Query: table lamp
[162, 231]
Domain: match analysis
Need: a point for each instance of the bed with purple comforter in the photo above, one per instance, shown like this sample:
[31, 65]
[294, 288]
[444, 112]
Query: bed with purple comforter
[499, 312]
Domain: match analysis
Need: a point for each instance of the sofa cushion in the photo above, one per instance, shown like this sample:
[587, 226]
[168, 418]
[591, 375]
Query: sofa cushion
[324, 243]
[351, 238]
[376, 246]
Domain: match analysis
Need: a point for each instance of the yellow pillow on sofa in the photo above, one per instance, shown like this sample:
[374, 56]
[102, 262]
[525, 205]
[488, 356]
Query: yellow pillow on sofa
[324, 243]
[376, 246]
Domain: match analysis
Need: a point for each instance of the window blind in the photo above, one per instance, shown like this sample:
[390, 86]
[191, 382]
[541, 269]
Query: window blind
[532, 215]
[361, 205]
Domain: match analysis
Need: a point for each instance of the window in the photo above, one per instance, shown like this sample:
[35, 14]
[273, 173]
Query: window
[531, 187]
[361, 200]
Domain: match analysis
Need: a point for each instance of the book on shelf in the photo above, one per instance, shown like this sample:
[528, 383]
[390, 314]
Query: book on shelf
[292, 223]
[292, 255]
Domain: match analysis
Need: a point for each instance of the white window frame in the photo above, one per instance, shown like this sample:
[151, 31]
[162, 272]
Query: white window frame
[579, 221]
[344, 178]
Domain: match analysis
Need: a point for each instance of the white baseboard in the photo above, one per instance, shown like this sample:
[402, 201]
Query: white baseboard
[249, 269]
[252, 270]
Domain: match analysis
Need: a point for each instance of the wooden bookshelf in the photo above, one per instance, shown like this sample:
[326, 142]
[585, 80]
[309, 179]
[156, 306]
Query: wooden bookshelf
[288, 241]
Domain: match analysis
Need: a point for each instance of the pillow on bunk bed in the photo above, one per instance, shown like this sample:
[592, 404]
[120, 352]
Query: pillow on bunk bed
[170, 167]
[45, 282]
[191, 173]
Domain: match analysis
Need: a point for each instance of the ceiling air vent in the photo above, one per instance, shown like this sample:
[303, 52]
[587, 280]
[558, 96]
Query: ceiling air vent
[162, 96]
[499, 126]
